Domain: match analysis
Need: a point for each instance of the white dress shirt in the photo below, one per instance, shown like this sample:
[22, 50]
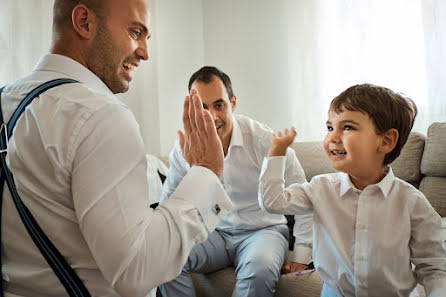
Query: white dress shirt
[364, 241]
[154, 167]
[250, 141]
[80, 167]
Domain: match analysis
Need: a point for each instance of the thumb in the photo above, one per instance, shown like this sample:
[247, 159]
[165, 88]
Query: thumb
[182, 138]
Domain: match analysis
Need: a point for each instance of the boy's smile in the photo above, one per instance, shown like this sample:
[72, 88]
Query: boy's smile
[352, 145]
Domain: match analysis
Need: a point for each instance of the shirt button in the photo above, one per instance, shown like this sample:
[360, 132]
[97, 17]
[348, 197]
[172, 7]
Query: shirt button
[216, 209]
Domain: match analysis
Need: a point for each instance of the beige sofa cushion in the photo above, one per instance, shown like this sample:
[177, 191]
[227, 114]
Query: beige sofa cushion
[222, 282]
[434, 157]
[435, 190]
[312, 157]
[407, 165]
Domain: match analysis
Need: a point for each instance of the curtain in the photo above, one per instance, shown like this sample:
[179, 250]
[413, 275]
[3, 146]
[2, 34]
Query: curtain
[335, 44]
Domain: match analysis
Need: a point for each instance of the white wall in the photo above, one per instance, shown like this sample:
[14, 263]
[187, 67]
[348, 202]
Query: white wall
[247, 40]
[179, 38]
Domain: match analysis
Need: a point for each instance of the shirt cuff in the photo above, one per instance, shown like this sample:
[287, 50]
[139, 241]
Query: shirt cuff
[201, 187]
[274, 166]
[301, 254]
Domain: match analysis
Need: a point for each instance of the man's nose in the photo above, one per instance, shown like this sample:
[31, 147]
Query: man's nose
[142, 51]
[214, 114]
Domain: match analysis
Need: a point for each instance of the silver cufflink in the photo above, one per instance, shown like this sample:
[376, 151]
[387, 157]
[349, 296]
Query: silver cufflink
[216, 209]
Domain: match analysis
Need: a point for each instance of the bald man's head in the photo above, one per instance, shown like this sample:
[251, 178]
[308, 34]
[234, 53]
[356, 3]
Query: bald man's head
[109, 37]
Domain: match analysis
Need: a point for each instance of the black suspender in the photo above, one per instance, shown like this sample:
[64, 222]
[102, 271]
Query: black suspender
[69, 279]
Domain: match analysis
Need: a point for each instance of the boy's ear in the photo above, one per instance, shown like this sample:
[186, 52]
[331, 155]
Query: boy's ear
[388, 141]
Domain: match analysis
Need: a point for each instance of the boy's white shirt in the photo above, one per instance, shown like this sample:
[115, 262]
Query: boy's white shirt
[363, 238]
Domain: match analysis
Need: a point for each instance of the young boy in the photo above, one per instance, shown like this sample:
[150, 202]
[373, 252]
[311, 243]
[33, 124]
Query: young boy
[369, 226]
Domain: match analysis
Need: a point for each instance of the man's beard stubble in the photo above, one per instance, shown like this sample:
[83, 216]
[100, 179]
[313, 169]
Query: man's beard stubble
[104, 61]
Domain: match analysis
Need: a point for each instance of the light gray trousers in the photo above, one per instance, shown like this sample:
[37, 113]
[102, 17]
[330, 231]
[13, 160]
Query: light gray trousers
[256, 255]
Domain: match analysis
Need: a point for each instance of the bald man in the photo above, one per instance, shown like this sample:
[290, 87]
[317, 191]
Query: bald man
[79, 164]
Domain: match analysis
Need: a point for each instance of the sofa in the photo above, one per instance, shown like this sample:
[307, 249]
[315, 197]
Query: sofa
[422, 163]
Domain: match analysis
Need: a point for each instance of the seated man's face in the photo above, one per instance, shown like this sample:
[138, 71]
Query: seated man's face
[215, 99]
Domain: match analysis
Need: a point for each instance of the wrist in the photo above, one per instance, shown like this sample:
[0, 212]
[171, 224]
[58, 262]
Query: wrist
[277, 152]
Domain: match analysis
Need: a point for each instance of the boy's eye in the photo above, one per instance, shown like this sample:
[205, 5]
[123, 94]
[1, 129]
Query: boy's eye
[329, 128]
[348, 127]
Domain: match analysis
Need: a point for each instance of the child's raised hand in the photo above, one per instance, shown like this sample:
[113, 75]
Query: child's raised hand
[280, 141]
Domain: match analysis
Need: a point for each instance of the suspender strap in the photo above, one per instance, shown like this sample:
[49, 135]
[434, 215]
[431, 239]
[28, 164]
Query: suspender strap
[69, 279]
[2, 183]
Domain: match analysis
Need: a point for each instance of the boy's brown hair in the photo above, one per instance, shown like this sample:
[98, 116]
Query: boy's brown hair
[385, 108]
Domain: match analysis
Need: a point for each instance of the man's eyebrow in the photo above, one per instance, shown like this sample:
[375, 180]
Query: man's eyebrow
[218, 101]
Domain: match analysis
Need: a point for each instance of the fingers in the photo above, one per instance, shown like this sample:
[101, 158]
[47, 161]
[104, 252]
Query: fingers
[182, 138]
[286, 132]
[186, 117]
[209, 122]
[193, 92]
[198, 113]
[285, 268]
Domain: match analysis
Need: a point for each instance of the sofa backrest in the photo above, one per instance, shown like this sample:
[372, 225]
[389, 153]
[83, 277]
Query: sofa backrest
[407, 165]
[433, 167]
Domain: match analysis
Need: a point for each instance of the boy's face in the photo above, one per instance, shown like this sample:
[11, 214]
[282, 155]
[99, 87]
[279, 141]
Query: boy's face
[352, 145]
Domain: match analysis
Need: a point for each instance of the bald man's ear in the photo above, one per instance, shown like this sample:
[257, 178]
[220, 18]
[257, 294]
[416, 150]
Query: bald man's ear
[85, 22]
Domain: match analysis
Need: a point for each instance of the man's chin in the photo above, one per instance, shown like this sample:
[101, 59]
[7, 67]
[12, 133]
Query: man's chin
[122, 87]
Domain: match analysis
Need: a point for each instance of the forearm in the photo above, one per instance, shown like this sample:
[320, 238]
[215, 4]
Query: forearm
[273, 196]
[139, 249]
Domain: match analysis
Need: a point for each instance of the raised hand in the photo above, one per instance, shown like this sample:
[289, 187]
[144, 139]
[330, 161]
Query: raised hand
[280, 141]
[199, 142]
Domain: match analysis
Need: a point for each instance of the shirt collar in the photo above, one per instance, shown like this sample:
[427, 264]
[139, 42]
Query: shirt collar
[70, 68]
[236, 136]
[384, 185]
[346, 184]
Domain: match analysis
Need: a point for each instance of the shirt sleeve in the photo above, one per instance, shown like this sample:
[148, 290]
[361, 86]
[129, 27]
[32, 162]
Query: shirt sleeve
[136, 247]
[428, 254]
[178, 168]
[303, 224]
[274, 197]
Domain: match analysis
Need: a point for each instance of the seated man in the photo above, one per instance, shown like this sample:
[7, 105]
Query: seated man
[248, 238]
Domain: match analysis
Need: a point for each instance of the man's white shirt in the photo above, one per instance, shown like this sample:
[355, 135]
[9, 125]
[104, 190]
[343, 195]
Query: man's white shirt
[80, 167]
